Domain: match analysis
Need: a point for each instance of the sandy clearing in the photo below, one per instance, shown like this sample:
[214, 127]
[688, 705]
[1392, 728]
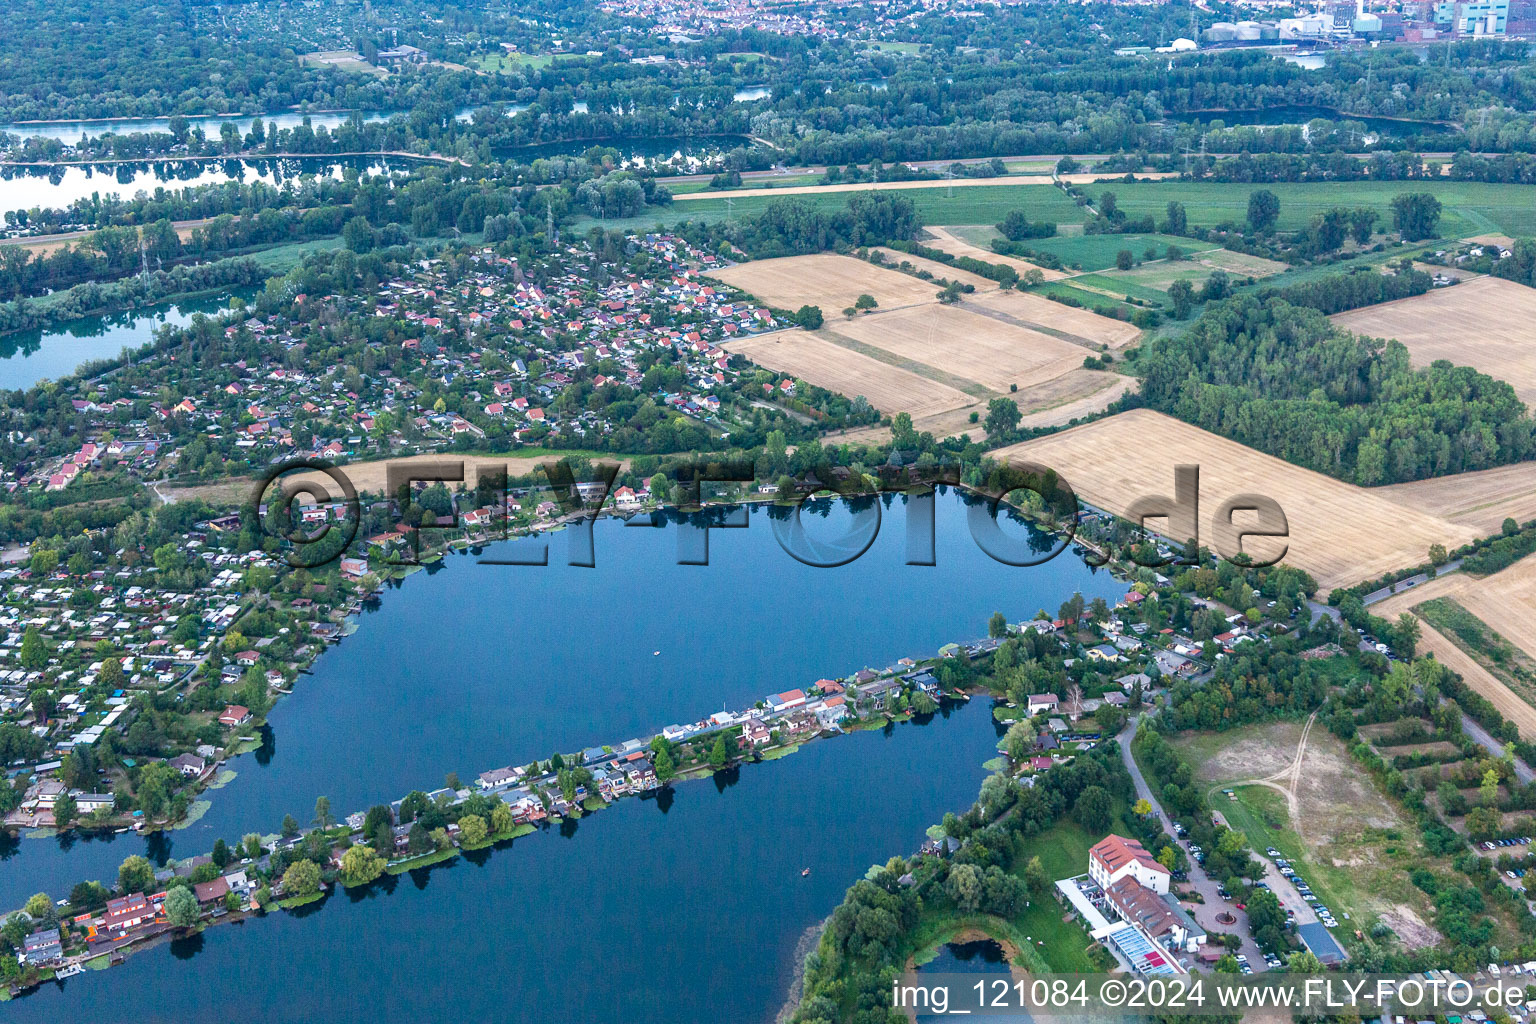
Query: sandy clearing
[827, 280]
[1481, 500]
[826, 364]
[1338, 532]
[1484, 323]
[977, 348]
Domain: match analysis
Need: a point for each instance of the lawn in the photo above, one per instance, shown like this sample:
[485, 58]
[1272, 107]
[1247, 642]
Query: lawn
[1470, 208]
[495, 63]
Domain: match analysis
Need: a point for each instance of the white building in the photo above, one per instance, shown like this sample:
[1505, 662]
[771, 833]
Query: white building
[1115, 857]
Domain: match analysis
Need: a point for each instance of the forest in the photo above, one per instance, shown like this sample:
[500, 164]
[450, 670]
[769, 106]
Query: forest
[1282, 379]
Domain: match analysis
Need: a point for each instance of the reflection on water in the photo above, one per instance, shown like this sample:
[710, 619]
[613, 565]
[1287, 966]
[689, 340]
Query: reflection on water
[56, 187]
[27, 357]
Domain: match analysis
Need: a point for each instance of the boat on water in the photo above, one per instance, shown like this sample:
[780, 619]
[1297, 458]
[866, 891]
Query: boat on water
[805, 873]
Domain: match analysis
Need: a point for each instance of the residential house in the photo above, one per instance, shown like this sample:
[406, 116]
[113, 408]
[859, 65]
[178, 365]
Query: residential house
[42, 947]
[189, 765]
[1040, 702]
[126, 912]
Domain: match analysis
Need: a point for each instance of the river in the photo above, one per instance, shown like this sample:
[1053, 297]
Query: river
[475, 666]
[27, 357]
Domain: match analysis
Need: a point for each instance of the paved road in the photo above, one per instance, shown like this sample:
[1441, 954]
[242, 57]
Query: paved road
[1411, 581]
[1495, 748]
[1204, 914]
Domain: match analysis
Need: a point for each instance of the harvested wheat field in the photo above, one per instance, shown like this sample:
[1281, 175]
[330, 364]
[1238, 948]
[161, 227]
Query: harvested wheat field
[1039, 313]
[1074, 395]
[1506, 604]
[827, 280]
[1484, 323]
[938, 270]
[1481, 500]
[888, 388]
[958, 343]
[947, 241]
[1338, 532]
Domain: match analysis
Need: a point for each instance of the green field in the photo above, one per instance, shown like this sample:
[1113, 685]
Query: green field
[1098, 252]
[970, 204]
[1470, 208]
[495, 63]
[1117, 286]
[1088, 299]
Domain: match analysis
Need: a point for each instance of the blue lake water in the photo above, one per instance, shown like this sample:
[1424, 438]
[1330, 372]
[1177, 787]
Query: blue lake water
[71, 132]
[982, 959]
[690, 913]
[471, 666]
[58, 187]
[27, 357]
[474, 666]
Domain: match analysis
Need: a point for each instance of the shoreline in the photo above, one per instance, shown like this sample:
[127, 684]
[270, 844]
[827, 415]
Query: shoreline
[166, 117]
[157, 931]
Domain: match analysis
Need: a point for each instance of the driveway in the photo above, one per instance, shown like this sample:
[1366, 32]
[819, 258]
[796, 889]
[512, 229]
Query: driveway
[1204, 913]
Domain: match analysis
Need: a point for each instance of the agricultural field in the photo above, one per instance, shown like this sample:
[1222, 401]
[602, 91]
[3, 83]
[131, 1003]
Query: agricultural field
[826, 280]
[1470, 208]
[1073, 396]
[1098, 252]
[957, 241]
[1463, 622]
[1338, 532]
[825, 363]
[1482, 499]
[1035, 311]
[937, 269]
[1300, 791]
[1484, 323]
[988, 351]
[974, 204]
[891, 186]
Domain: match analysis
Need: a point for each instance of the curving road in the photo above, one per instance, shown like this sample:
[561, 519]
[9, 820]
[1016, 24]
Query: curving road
[1204, 914]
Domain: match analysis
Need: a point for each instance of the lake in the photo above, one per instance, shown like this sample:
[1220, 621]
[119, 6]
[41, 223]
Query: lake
[471, 667]
[650, 147]
[975, 960]
[1299, 115]
[683, 908]
[24, 188]
[71, 132]
[27, 357]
